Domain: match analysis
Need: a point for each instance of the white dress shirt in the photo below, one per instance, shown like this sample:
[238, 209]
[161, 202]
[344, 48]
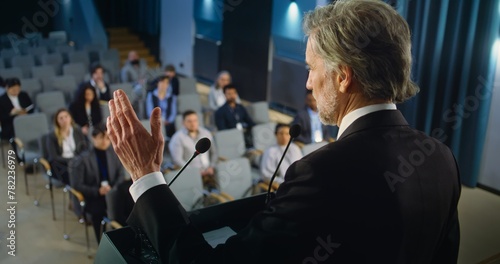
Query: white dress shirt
[354, 115]
[68, 145]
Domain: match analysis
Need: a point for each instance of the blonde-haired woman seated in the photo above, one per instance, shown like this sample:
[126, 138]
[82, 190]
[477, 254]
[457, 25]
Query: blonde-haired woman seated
[64, 143]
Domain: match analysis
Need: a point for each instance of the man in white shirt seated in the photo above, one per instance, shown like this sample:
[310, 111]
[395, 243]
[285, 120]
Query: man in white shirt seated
[182, 146]
[273, 154]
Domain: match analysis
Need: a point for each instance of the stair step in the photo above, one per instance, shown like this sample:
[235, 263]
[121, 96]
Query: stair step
[124, 38]
[127, 46]
[124, 41]
[117, 30]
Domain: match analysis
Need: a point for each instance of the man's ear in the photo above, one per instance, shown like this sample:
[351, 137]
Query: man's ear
[344, 79]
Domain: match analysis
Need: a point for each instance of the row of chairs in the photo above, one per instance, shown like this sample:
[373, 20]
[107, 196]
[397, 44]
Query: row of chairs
[27, 66]
[31, 132]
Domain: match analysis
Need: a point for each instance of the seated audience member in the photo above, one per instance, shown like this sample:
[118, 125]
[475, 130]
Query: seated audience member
[233, 115]
[13, 102]
[216, 97]
[312, 128]
[97, 82]
[272, 155]
[134, 70]
[94, 173]
[64, 143]
[174, 81]
[182, 146]
[162, 97]
[85, 108]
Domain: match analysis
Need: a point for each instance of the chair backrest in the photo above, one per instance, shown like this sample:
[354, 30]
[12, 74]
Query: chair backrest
[30, 128]
[44, 73]
[7, 54]
[230, 143]
[75, 69]
[308, 148]
[31, 86]
[111, 68]
[179, 122]
[37, 52]
[234, 177]
[188, 102]
[53, 59]
[60, 36]
[187, 85]
[112, 55]
[12, 72]
[187, 188]
[24, 62]
[80, 56]
[49, 102]
[263, 135]
[66, 84]
[50, 44]
[259, 112]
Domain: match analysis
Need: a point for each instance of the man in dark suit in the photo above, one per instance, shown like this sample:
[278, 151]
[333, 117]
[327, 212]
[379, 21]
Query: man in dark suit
[233, 115]
[13, 102]
[94, 173]
[97, 81]
[382, 193]
[312, 129]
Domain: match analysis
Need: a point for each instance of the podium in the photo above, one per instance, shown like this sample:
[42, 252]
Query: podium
[116, 246]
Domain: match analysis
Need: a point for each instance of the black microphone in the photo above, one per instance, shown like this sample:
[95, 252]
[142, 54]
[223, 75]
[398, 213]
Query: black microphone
[201, 147]
[294, 132]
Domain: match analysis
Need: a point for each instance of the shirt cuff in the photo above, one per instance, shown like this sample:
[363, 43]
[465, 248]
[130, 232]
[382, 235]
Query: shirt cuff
[145, 183]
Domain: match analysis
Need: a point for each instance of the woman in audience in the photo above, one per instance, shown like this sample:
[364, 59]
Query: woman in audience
[13, 102]
[216, 97]
[85, 109]
[64, 143]
[163, 97]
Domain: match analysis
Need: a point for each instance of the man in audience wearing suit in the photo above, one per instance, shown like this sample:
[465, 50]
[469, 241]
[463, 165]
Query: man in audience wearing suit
[97, 81]
[382, 193]
[94, 173]
[313, 130]
[233, 115]
[13, 103]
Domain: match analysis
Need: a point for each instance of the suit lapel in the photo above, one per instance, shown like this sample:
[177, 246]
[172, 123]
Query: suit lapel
[382, 118]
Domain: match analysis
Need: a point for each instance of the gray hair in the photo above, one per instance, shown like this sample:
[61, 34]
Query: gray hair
[371, 38]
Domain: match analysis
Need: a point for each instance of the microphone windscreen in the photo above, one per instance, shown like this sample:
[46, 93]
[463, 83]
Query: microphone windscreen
[203, 145]
[295, 130]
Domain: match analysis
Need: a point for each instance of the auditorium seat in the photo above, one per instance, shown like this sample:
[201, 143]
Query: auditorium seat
[25, 62]
[11, 72]
[44, 73]
[75, 69]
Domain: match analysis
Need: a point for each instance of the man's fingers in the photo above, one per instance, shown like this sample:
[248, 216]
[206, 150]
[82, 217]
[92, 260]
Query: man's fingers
[114, 121]
[111, 132]
[156, 124]
[126, 108]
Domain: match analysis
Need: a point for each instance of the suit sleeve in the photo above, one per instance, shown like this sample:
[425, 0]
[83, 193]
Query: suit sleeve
[220, 122]
[78, 173]
[272, 236]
